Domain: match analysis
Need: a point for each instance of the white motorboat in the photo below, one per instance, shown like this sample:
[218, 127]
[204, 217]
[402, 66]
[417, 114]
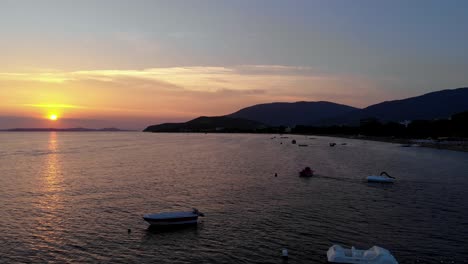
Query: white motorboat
[173, 218]
[374, 255]
[383, 177]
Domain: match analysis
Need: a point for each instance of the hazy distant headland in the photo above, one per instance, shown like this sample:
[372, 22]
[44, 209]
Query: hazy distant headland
[75, 129]
[437, 114]
[210, 124]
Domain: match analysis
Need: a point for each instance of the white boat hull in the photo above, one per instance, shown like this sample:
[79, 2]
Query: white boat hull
[173, 218]
[374, 255]
[383, 179]
[170, 223]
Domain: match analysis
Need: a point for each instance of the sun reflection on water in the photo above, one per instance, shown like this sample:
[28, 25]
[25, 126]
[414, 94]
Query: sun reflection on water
[50, 205]
[52, 174]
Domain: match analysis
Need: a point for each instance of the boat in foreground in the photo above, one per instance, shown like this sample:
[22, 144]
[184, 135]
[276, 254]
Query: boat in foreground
[383, 177]
[173, 218]
[374, 255]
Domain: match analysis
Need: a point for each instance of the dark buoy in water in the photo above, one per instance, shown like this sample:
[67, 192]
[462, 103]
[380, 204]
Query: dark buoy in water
[276, 174]
[129, 230]
[293, 141]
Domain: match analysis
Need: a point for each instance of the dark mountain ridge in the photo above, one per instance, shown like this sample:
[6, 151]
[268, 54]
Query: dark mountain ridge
[291, 114]
[434, 105]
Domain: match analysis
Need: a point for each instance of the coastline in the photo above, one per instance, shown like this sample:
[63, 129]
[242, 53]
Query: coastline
[447, 145]
[460, 145]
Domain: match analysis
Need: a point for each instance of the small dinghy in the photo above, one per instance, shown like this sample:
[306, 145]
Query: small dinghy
[173, 218]
[374, 255]
[307, 172]
[332, 144]
[383, 177]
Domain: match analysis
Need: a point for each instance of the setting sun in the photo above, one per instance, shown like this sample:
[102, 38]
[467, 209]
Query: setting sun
[53, 117]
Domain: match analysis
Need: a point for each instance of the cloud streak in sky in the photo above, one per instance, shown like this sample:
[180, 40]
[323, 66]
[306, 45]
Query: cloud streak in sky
[208, 79]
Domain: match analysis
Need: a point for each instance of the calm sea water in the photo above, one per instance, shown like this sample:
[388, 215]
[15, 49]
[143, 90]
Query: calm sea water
[70, 198]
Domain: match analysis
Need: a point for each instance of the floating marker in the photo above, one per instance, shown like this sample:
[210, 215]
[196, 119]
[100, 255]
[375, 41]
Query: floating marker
[284, 253]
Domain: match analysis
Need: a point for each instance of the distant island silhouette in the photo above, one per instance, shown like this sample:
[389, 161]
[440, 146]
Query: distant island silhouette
[75, 129]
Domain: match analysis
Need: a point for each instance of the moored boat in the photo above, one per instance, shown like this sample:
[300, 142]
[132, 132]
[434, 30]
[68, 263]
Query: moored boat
[173, 218]
[374, 255]
[383, 177]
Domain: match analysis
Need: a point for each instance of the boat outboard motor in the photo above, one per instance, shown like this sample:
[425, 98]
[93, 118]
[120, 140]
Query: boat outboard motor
[386, 174]
[195, 211]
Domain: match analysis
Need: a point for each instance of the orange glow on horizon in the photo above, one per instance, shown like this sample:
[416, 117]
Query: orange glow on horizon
[138, 97]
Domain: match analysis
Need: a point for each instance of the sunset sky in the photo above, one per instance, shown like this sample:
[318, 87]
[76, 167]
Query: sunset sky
[129, 64]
